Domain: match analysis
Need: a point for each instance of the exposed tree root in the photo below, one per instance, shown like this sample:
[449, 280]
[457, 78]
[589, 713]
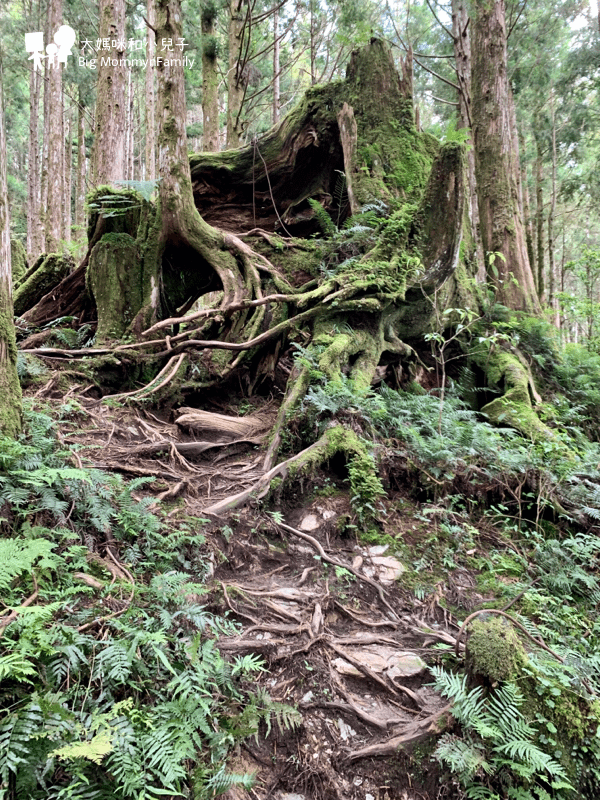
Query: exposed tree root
[330, 560]
[415, 732]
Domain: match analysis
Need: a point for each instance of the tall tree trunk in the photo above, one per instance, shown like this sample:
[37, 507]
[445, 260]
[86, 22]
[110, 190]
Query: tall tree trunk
[527, 213]
[35, 243]
[182, 236]
[10, 390]
[56, 141]
[313, 45]
[108, 154]
[552, 299]
[495, 161]
[129, 145]
[463, 58]
[210, 79]
[150, 155]
[539, 219]
[276, 68]
[80, 188]
[68, 166]
[235, 80]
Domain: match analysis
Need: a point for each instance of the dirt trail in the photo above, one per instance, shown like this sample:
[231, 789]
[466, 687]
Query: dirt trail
[344, 640]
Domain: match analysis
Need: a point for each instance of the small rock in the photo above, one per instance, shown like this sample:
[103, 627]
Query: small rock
[405, 665]
[358, 562]
[378, 549]
[345, 668]
[291, 796]
[369, 796]
[357, 781]
[307, 697]
[328, 514]
[388, 568]
[345, 730]
[309, 523]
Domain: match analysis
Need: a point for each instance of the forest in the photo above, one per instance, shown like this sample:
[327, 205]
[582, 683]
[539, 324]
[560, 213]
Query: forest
[299, 399]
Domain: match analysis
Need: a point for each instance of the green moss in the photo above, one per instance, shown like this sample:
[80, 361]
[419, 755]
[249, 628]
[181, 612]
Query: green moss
[365, 485]
[505, 371]
[114, 280]
[10, 389]
[494, 650]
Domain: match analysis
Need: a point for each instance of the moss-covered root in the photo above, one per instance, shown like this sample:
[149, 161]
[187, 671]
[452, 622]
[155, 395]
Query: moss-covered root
[41, 280]
[297, 387]
[506, 371]
[365, 484]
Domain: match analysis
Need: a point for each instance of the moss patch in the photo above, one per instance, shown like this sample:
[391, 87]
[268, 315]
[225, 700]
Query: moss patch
[494, 650]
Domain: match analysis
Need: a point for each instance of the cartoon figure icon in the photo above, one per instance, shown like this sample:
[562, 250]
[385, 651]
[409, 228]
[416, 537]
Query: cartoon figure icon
[65, 39]
[34, 44]
[52, 51]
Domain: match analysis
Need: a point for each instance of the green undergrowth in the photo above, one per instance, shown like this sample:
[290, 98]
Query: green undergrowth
[521, 517]
[111, 682]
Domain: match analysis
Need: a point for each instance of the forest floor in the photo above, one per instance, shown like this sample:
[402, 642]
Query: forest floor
[346, 626]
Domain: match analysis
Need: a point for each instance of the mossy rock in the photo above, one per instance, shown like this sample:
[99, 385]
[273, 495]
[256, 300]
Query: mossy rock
[494, 650]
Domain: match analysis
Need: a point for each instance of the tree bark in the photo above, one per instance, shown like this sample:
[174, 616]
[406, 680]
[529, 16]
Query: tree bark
[150, 155]
[495, 162]
[464, 64]
[235, 79]
[539, 219]
[35, 243]
[552, 299]
[10, 390]
[67, 168]
[80, 188]
[108, 153]
[527, 220]
[56, 140]
[276, 68]
[210, 79]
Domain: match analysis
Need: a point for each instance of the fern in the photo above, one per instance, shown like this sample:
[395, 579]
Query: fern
[496, 738]
[327, 225]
